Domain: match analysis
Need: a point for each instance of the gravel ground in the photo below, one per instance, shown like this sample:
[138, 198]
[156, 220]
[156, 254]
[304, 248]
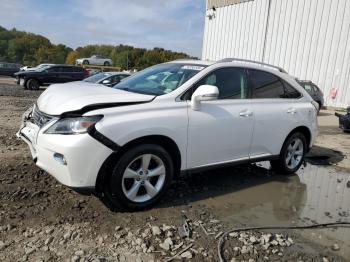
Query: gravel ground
[41, 220]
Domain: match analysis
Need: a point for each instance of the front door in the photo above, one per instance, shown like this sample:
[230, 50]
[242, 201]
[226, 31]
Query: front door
[221, 131]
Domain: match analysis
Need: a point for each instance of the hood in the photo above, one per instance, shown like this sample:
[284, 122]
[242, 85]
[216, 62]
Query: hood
[83, 97]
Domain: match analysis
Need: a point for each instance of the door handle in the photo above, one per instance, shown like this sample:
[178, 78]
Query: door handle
[291, 111]
[246, 113]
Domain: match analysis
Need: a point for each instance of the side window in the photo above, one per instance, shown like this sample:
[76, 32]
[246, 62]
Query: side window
[67, 69]
[308, 87]
[115, 79]
[265, 85]
[230, 81]
[290, 92]
[54, 69]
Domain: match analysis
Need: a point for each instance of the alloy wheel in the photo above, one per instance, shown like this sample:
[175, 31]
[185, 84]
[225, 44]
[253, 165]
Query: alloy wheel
[143, 178]
[295, 152]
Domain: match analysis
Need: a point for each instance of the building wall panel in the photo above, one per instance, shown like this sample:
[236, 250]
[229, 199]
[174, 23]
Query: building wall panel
[308, 38]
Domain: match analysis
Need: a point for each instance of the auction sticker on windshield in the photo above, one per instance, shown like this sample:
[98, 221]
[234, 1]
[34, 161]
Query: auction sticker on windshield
[192, 67]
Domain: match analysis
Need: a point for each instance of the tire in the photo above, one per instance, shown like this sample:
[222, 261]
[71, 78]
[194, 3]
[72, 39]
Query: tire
[284, 166]
[33, 84]
[106, 63]
[118, 191]
[86, 62]
[24, 84]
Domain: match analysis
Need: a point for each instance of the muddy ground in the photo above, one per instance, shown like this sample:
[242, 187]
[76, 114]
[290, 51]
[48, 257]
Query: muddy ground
[41, 220]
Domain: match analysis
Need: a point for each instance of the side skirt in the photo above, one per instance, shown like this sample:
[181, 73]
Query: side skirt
[230, 164]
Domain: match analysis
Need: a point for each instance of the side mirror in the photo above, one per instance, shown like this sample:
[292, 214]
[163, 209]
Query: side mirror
[106, 82]
[204, 93]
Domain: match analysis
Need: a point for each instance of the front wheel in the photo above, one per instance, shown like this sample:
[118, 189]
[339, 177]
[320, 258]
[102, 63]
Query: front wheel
[33, 84]
[140, 178]
[106, 63]
[292, 154]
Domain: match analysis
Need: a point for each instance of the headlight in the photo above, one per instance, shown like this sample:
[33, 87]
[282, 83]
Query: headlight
[75, 125]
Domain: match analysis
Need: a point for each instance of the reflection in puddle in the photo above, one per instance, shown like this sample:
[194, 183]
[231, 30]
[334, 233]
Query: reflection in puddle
[317, 194]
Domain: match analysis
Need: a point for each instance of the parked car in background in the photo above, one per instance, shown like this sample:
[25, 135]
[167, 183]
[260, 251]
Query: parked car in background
[314, 91]
[107, 78]
[50, 74]
[344, 120]
[128, 143]
[94, 60]
[24, 68]
[29, 68]
[8, 69]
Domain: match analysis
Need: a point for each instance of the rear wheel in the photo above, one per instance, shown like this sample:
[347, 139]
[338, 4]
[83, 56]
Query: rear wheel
[106, 63]
[140, 178]
[86, 62]
[33, 84]
[292, 154]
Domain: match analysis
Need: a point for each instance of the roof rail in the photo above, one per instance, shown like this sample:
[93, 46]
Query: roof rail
[251, 61]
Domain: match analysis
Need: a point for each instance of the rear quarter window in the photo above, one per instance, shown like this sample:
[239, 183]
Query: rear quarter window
[266, 85]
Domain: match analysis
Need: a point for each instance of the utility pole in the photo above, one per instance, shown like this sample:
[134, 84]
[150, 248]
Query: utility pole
[127, 60]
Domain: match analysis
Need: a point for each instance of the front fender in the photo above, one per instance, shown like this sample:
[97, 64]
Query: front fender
[169, 122]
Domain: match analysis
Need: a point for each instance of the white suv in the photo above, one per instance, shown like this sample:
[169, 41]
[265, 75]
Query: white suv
[129, 142]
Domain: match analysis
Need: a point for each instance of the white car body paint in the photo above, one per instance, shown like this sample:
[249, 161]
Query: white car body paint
[222, 131]
[60, 98]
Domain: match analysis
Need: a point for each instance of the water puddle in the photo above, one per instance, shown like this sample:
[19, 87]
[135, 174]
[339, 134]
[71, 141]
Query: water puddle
[253, 195]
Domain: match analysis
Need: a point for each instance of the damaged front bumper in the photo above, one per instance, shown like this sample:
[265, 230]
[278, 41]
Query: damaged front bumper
[28, 131]
[74, 160]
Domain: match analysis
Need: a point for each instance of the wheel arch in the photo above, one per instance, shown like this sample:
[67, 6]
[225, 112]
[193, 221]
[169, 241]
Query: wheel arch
[167, 143]
[32, 77]
[305, 131]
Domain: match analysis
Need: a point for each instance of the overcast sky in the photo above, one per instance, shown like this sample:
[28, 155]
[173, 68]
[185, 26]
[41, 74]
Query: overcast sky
[171, 24]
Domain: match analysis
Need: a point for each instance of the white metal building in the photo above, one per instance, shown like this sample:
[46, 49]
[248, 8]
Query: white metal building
[310, 39]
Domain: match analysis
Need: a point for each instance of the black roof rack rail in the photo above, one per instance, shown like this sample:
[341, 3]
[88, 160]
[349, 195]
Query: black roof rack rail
[251, 61]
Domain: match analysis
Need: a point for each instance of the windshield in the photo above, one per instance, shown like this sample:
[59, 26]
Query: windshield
[96, 78]
[160, 79]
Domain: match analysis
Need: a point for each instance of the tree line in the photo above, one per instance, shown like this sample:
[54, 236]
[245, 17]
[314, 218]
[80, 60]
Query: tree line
[32, 49]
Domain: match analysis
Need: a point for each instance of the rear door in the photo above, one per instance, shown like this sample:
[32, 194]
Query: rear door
[67, 74]
[220, 132]
[99, 60]
[276, 110]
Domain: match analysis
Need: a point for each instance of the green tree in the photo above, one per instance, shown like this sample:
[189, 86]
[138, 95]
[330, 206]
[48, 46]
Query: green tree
[71, 57]
[31, 49]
